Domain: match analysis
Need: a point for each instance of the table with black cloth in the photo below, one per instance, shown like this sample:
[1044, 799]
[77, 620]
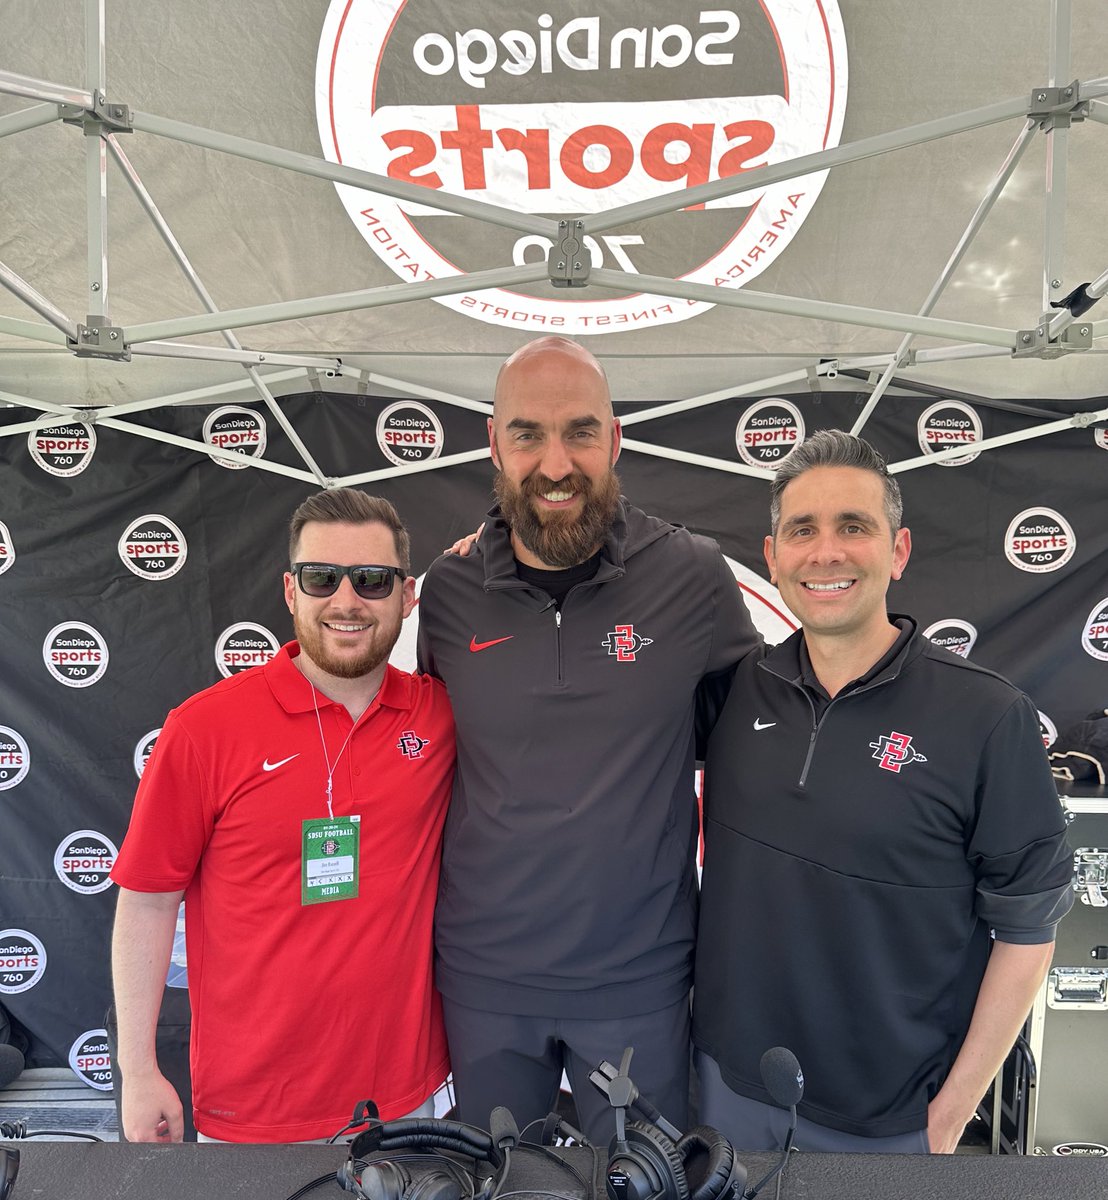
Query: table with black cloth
[83, 1171]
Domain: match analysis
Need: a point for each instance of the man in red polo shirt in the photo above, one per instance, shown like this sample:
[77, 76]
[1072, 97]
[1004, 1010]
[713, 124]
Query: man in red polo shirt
[298, 809]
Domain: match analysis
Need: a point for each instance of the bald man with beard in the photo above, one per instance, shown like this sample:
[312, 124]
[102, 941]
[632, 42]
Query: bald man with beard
[572, 638]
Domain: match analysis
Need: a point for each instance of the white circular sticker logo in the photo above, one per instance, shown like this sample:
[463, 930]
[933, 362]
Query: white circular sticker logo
[533, 109]
[1039, 539]
[63, 450]
[242, 646]
[90, 1060]
[75, 654]
[1094, 637]
[82, 861]
[143, 749]
[15, 758]
[768, 432]
[152, 547]
[408, 433]
[234, 428]
[7, 548]
[946, 424]
[22, 960]
[1048, 729]
[1100, 437]
[954, 635]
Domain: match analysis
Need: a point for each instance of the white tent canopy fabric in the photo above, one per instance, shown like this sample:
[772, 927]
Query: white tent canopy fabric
[168, 208]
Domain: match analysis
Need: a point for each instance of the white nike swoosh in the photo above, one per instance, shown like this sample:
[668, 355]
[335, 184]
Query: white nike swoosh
[268, 766]
[760, 724]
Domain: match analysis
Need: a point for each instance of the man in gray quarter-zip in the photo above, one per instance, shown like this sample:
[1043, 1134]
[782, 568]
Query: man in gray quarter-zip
[572, 639]
[884, 862]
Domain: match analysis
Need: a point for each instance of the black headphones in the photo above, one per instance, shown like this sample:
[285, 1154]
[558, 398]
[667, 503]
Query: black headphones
[387, 1177]
[653, 1161]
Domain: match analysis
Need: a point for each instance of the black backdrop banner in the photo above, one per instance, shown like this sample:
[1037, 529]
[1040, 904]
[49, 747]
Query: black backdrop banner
[134, 573]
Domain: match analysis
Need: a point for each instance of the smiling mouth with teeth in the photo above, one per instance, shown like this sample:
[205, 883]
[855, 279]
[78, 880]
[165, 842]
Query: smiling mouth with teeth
[841, 586]
[558, 497]
[345, 628]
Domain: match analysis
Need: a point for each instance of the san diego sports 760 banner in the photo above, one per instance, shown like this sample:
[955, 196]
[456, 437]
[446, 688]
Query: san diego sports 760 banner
[571, 109]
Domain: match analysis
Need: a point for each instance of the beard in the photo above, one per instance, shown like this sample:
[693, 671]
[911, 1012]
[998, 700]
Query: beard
[308, 633]
[559, 539]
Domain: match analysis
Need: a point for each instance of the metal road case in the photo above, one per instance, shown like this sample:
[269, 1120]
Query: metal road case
[1069, 1023]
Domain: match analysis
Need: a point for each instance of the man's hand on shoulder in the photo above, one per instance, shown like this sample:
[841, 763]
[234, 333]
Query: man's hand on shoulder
[462, 545]
[151, 1109]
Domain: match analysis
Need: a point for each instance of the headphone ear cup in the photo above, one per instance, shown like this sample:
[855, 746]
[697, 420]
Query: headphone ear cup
[709, 1162]
[385, 1180]
[646, 1167]
[435, 1185]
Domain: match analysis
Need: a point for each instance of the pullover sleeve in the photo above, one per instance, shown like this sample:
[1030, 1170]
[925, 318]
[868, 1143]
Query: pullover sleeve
[1017, 845]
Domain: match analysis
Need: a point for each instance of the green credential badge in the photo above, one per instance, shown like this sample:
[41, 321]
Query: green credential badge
[329, 860]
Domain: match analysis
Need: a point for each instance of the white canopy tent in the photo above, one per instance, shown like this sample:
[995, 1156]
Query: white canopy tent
[170, 234]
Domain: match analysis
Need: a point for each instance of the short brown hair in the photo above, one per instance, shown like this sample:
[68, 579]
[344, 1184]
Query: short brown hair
[351, 507]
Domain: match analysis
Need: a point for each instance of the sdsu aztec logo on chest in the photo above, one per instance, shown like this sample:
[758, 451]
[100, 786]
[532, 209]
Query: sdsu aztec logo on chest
[573, 109]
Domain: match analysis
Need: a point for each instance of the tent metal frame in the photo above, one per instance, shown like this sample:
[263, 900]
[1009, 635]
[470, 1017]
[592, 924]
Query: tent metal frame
[1061, 328]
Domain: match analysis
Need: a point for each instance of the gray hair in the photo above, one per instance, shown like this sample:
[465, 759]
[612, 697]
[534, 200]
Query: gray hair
[834, 448]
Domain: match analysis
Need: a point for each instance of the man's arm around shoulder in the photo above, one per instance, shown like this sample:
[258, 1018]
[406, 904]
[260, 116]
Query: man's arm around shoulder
[142, 942]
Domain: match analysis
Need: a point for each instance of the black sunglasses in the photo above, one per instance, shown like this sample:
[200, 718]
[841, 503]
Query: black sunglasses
[323, 579]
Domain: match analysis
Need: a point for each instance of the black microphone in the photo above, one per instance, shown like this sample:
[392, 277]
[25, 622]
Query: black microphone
[784, 1080]
[12, 1063]
[782, 1077]
[503, 1129]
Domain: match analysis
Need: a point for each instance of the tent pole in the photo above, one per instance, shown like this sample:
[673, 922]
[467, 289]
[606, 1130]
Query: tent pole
[29, 118]
[21, 288]
[991, 196]
[1057, 130]
[797, 306]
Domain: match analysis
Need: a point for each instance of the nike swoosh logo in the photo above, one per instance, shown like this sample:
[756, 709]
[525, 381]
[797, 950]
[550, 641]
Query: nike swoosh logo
[760, 724]
[475, 645]
[268, 766]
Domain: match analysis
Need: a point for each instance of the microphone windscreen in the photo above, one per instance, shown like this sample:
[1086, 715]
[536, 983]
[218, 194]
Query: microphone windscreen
[11, 1064]
[503, 1128]
[782, 1076]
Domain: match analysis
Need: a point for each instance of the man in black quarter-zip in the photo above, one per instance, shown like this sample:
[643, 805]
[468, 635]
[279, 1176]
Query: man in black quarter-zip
[884, 863]
[572, 639]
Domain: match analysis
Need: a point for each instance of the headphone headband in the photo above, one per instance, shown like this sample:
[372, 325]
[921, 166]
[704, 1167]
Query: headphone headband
[420, 1133]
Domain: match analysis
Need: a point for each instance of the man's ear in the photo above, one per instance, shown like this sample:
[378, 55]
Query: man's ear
[617, 440]
[771, 559]
[492, 446]
[902, 551]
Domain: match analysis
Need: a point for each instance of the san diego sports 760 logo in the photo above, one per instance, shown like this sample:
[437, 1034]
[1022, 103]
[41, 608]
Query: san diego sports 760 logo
[572, 109]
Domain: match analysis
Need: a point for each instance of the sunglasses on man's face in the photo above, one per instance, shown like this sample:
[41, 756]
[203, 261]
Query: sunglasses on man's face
[323, 579]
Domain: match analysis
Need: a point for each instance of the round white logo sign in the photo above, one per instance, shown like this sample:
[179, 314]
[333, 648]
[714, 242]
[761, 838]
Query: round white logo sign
[22, 960]
[1047, 728]
[954, 635]
[1094, 637]
[15, 758]
[1038, 540]
[152, 547]
[946, 424]
[234, 428]
[75, 654]
[768, 432]
[540, 110]
[7, 548]
[408, 432]
[143, 748]
[90, 1059]
[83, 859]
[242, 646]
[63, 450]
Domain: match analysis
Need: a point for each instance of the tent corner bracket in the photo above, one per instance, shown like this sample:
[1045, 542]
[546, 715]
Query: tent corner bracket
[1037, 342]
[569, 261]
[99, 338]
[101, 119]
